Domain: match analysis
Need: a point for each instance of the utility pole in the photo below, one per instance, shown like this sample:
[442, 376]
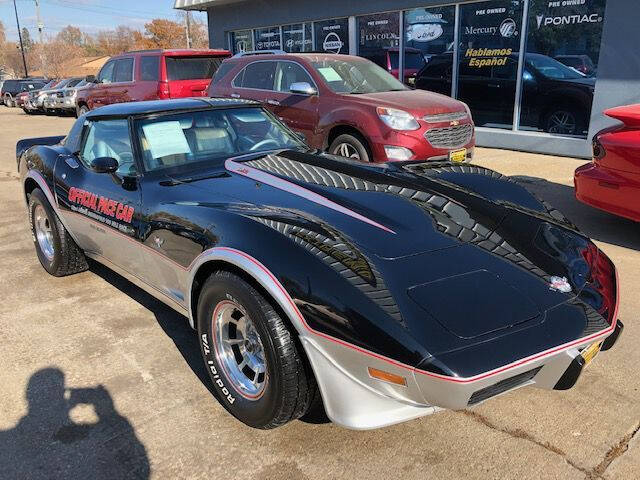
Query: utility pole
[24, 61]
[188, 29]
[39, 20]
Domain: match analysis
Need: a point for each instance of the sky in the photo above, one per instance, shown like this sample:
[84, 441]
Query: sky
[90, 16]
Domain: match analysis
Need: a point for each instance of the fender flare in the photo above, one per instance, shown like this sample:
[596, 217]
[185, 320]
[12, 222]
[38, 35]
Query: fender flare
[255, 270]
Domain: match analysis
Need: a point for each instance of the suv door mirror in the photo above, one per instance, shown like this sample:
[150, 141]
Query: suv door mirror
[104, 165]
[303, 88]
[90, 79]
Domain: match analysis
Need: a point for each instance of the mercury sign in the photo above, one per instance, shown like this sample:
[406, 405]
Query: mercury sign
[425, 32]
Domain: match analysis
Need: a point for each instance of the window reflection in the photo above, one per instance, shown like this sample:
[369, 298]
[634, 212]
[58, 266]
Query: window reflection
[297, 38]
[242, 41]
[563, 47]
[429, 33]
[268, 38]
[332, 36]
[379, 40]
[488, 60]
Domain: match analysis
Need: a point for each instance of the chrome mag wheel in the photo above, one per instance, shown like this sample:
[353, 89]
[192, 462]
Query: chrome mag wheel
[44, 234]
[239, 349]
[346, 150]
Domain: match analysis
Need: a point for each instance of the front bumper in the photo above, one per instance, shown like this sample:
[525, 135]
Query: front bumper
[354, 399]
[417, 143]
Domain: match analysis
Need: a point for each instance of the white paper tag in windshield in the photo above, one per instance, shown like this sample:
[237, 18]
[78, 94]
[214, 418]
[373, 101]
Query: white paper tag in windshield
[329, 74]
[166, 138]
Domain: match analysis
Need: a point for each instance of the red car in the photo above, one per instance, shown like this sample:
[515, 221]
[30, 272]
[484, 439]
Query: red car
[151, 75]
[351, 107]
[611, 182]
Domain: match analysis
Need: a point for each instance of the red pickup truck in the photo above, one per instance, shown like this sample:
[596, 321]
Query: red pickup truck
[150, 75]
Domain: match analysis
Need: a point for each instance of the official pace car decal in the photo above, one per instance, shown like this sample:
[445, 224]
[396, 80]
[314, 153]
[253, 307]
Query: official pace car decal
[102, 209]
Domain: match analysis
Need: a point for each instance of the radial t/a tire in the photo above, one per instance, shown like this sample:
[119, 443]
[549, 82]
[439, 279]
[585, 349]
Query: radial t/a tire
[57, 252]
[237, 325]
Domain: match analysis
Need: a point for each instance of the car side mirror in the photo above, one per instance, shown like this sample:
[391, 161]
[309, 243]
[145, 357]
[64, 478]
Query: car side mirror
[90, 79]
[303, 88]
[104, 165]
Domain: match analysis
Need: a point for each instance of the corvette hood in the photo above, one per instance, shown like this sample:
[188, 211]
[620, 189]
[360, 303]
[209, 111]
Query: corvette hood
[391, 211]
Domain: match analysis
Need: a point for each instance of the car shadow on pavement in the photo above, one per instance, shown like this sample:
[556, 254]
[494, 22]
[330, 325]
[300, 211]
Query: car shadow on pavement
[174, 325]
[594, 223]
[53, 442]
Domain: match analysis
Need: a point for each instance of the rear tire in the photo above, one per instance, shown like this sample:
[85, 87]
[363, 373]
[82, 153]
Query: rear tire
[241, 335]
[8, 102]
[57, 252]
[350, 146]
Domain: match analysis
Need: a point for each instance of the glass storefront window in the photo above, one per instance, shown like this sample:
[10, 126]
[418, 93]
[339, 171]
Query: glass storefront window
[561, 64]
[268, 38]
[379, 39]
[241, 41]
[429, 38]
[297, 38]
[488, 60]
[332, 36]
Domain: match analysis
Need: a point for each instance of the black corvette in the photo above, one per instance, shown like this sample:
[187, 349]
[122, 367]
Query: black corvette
[380, 293]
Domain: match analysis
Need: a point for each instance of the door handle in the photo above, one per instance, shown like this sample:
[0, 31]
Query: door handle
[493, 85]
[235, 95]
[273, 102]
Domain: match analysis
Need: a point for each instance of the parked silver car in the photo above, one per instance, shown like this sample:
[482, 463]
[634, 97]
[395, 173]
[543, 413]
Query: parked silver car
[54, 100]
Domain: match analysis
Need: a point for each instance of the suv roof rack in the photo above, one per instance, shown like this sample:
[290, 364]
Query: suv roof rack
[260, 52]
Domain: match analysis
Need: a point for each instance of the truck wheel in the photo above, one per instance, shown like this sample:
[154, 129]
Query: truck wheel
[257, 371]
[57, 252]
[81, 110]
[8, 101]
[350, 146]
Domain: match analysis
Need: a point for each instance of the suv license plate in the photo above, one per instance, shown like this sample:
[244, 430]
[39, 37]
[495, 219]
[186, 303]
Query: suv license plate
[458, 155]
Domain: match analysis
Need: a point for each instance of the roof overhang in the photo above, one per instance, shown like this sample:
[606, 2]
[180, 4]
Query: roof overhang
[201, 4]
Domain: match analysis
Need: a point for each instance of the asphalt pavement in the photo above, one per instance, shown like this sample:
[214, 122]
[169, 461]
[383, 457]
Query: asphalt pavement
[100, 380]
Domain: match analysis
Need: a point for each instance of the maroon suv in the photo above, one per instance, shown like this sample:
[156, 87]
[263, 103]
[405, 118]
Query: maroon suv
[350, 106]
[150, 75]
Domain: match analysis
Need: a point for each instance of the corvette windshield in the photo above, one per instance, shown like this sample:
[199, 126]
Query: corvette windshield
[210, 136]
[355, 76]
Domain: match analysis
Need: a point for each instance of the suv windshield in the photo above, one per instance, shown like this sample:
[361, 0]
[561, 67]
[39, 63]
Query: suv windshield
[355, 76]
[551, 68]
[192, 68]
[210, 136]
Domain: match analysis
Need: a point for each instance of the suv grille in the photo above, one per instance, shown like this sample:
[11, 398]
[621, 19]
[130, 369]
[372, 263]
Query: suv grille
[450, 137]
[503, 386]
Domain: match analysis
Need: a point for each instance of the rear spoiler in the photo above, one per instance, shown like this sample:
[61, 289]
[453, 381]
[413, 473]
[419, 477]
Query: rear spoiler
[629, 114]
[23, 145]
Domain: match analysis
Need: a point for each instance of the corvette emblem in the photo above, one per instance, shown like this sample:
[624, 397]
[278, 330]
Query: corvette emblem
[455, 123]
[560, 284]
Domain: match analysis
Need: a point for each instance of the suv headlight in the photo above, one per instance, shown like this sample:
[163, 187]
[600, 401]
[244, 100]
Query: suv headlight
[397, 119]
[466, 107]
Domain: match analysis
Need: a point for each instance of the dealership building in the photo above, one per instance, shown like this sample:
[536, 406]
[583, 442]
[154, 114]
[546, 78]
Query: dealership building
[537, 74]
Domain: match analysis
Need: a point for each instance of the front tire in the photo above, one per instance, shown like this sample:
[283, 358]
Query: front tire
[257, 370]
[350, 146]
[81, 110]
[57, 252]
